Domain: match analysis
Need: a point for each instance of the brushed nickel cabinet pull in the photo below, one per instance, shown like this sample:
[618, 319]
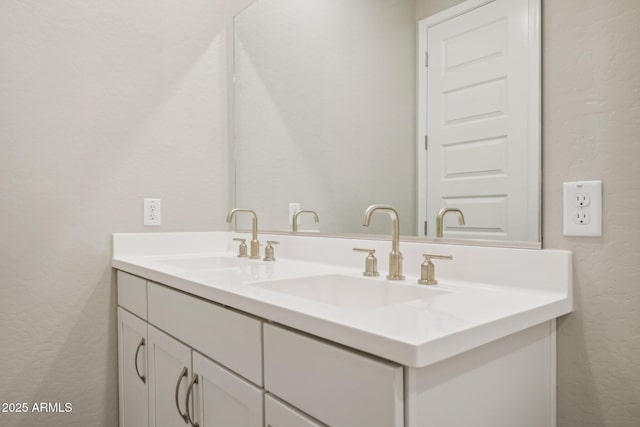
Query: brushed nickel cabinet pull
[189, 391]
[183, 374]
[135, 361]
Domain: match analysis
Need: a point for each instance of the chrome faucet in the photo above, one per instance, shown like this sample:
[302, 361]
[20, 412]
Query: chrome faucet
[294, 226]
[440, 219]
[255, 244]
[395, 257]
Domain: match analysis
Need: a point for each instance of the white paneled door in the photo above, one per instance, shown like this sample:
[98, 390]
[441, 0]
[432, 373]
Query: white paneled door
[481, 154]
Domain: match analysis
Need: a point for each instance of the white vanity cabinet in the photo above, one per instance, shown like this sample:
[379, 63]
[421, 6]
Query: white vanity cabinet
[164, 381]
[202, 364]
[292, 347]
[198, 363]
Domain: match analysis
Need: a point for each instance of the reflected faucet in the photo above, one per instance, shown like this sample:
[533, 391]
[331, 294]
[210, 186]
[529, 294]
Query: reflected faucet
[440, 219]
[255, 244]
[395, 257]
[294, 225]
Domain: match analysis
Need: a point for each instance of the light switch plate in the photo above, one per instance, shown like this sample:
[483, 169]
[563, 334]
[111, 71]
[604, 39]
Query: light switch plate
[582, 208]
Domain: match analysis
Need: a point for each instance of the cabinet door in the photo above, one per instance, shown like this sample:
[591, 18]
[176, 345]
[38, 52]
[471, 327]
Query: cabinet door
[169, 372]
[223, 399]
[277, 414]
[132, 370]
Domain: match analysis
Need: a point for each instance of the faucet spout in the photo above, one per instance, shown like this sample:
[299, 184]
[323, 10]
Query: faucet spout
[395, 256]
[440, 219]
[255, 244]
[395, 222]
[294, 225]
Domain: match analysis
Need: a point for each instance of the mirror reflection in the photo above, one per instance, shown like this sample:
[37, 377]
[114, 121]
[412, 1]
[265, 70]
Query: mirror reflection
[334, 99]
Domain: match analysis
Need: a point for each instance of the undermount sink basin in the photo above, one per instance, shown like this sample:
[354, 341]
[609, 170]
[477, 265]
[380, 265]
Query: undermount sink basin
[221, 276]
[225, 269]
[203, 262]
[351, 292]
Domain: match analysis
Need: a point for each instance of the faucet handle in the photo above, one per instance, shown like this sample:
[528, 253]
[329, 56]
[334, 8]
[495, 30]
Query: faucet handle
[242, 249]
[428, 269]
[269, 253]
[370, 264]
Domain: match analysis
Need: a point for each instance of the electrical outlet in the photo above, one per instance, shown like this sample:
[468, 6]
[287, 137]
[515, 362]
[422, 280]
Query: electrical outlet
[293, 208]
[582, 200]
[582, 208]
[581, 217]
[152, 212]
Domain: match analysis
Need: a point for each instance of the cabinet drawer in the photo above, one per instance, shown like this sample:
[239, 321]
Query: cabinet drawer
[337, 386]
[277, 414]
[132, 293]
[230, 338]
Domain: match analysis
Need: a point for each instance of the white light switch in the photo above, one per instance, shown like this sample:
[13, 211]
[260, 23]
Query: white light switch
[582, 208]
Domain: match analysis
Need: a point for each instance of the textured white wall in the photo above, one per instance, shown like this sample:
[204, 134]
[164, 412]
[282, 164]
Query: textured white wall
[591, 130]
[101, 104]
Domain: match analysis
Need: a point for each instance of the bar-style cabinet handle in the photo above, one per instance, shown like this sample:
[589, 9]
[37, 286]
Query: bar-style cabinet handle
[189, 391]
[135, 361]
[183, 374]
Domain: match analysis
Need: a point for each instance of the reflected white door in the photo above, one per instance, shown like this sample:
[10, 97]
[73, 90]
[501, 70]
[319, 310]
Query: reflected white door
[482, 154]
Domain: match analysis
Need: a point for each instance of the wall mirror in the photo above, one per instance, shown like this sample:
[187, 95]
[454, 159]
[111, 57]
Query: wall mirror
[340, 104]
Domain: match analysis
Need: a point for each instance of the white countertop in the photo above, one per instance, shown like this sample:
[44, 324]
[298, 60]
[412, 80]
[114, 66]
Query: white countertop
[412, 325]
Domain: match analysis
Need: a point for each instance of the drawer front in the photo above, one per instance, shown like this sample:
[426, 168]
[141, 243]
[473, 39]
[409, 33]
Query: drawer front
[132, 293]
[230, 338]
[277, 414]
[334, 385]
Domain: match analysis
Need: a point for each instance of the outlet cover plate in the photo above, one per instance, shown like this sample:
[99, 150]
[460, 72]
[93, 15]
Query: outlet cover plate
[582, 201]
[152, 212]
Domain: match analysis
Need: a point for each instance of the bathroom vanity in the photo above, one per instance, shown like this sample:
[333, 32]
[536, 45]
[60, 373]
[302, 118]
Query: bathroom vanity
[209, 339]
